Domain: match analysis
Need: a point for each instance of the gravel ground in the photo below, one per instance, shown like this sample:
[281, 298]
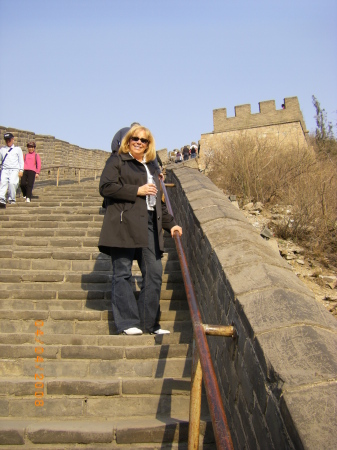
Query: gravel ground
[320, 280]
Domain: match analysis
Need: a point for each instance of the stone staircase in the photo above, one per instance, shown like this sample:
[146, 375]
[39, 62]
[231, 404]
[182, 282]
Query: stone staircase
[66, 381]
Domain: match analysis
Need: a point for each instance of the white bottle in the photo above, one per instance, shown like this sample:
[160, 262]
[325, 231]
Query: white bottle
[151, 199]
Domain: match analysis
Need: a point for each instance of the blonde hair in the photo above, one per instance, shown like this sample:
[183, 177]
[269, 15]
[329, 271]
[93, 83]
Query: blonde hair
[150, 152]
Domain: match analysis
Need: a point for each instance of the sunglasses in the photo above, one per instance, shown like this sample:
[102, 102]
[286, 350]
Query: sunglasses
[136, 139]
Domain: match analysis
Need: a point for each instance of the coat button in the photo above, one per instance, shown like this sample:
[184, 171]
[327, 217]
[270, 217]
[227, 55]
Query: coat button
[158, 217]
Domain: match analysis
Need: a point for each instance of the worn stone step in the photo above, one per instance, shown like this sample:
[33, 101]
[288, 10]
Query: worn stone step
[78, 327]
[83, 265]
[112, 406]
[34, 209]
[73, 368]
[79, 305]
[76, 315]
[25, 386]
[50, 232]
[33, 224]
[184, 337]
[71, 291]
[89, 352]
[112, 434]
[80, 217]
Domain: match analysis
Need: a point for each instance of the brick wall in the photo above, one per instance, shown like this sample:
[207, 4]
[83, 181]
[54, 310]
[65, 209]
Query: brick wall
[55, 152]
[278, 380]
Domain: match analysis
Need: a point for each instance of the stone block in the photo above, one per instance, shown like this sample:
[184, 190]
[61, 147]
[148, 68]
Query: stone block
[152, 431]
[71, 432]
[36, 254]
[92, 327]
[11, 433]
[17, 387]
[51, 265]
[75, 315]
[310, 416]
[20, 351]
[92, 352]
[70, 255]
[53, 407]
[118, 368]
[276, 308]
[61, 242]
[163, 351]
[308, 355]
[83, 387]
[165, 386]
[247, 278]
[4, 407]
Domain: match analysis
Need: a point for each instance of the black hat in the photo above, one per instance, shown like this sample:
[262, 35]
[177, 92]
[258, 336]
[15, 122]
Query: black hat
[8, 136]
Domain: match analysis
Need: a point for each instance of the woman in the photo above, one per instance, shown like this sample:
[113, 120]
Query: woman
[32, 167]
[132, 229]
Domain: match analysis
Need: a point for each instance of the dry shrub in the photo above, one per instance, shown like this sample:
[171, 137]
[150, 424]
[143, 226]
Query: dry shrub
[257, 169]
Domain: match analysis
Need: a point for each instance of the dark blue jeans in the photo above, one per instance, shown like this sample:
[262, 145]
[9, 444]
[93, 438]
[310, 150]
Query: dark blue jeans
[127, 312]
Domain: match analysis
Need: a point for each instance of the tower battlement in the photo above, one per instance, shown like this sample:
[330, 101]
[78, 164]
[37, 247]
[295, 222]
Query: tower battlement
[268, 115]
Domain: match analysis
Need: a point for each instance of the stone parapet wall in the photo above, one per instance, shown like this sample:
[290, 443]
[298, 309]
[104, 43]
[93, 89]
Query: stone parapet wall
[278, 380]
[55, 152]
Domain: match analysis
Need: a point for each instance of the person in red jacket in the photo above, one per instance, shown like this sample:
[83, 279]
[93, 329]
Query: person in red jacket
[32, 167]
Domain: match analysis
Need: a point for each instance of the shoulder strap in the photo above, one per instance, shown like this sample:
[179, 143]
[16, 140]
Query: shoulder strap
[6, 156]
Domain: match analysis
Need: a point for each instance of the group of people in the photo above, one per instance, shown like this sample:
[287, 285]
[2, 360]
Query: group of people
[188, 152]
[17, 168]
[133, 229]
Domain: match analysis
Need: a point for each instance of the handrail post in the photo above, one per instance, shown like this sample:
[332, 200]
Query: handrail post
[79, 176]
[195, 400]
[57, 176]
[95, 173]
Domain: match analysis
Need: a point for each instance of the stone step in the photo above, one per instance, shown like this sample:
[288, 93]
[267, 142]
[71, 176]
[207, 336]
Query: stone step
[25, 386]
[92, 352]
[57, 216]
[70, 253]
[169, 320]
[48, 223]
[34, 209]
[50, 232]
[58, 263]
[174, 367]
[78, 305]
[143, 433]
[49, 316]
[183, 337]
[105, 407]
[71, 291]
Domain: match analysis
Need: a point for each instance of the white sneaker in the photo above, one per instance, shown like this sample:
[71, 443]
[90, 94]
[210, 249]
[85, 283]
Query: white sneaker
[28, 200]
[24, 197]
[132, 331]
[160, 331]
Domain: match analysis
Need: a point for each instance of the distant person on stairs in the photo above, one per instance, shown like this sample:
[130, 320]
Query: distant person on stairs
[32, 167]
[11, 161]
[132, 229]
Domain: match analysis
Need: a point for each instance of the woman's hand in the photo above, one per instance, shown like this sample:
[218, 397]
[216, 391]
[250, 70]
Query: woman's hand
[147, 189]
[176, 228]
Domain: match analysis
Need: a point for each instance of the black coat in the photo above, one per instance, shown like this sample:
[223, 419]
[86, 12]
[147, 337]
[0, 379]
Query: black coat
[126, 217]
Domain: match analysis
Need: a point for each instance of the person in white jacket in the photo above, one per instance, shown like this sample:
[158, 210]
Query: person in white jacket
[11, 160]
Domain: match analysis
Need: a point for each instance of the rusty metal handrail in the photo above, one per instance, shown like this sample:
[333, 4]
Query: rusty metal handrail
[202, 365]
[79, 168]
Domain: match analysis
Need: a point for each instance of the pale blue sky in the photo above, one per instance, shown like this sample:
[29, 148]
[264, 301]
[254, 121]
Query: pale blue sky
[81, 69]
